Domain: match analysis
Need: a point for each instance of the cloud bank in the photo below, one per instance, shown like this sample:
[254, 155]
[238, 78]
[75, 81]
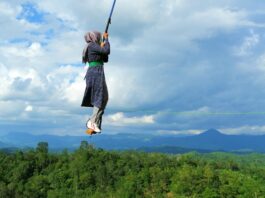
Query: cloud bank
[167, 57]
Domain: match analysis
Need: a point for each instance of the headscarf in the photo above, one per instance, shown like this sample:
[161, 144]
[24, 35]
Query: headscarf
[94, 37]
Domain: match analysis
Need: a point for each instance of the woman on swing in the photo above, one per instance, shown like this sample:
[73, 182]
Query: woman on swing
[95, 55]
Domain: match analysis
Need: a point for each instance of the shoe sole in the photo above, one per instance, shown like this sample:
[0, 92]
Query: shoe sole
[90, 132]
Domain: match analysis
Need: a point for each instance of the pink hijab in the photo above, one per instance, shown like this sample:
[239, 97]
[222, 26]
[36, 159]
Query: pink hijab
[93, 37]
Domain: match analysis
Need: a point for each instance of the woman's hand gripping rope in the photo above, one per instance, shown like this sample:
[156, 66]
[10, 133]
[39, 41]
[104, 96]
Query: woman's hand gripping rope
[105, 36]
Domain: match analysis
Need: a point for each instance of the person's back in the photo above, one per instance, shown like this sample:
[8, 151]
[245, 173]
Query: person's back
[97, 53]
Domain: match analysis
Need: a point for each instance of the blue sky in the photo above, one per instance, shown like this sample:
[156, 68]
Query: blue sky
[176, 66]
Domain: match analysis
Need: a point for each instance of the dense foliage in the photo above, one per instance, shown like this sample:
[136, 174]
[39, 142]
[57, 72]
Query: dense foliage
[90, 172]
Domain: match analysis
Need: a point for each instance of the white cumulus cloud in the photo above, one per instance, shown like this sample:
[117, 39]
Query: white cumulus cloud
[119, 119]
[29, 108]
[245, 129]
[247, 45]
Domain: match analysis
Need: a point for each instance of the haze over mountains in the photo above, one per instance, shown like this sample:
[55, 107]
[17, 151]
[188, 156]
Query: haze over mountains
[211, 140]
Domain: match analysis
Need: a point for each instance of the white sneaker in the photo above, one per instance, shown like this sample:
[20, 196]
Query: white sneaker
[96, 129]
[92, 126]
[88, 124]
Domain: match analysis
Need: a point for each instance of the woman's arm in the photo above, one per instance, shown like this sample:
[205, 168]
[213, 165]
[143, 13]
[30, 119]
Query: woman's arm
[105, 50]
[105, 58]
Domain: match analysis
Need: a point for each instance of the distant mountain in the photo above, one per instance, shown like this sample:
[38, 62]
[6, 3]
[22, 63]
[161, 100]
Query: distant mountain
[214, 140]
[171, 150]
[4, 145]
[9, 150]
[211, 133]
[119, 141]
[210, 140]
[23, 140]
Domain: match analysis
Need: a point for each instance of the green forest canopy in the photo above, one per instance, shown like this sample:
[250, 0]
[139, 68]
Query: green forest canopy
[91, 172]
